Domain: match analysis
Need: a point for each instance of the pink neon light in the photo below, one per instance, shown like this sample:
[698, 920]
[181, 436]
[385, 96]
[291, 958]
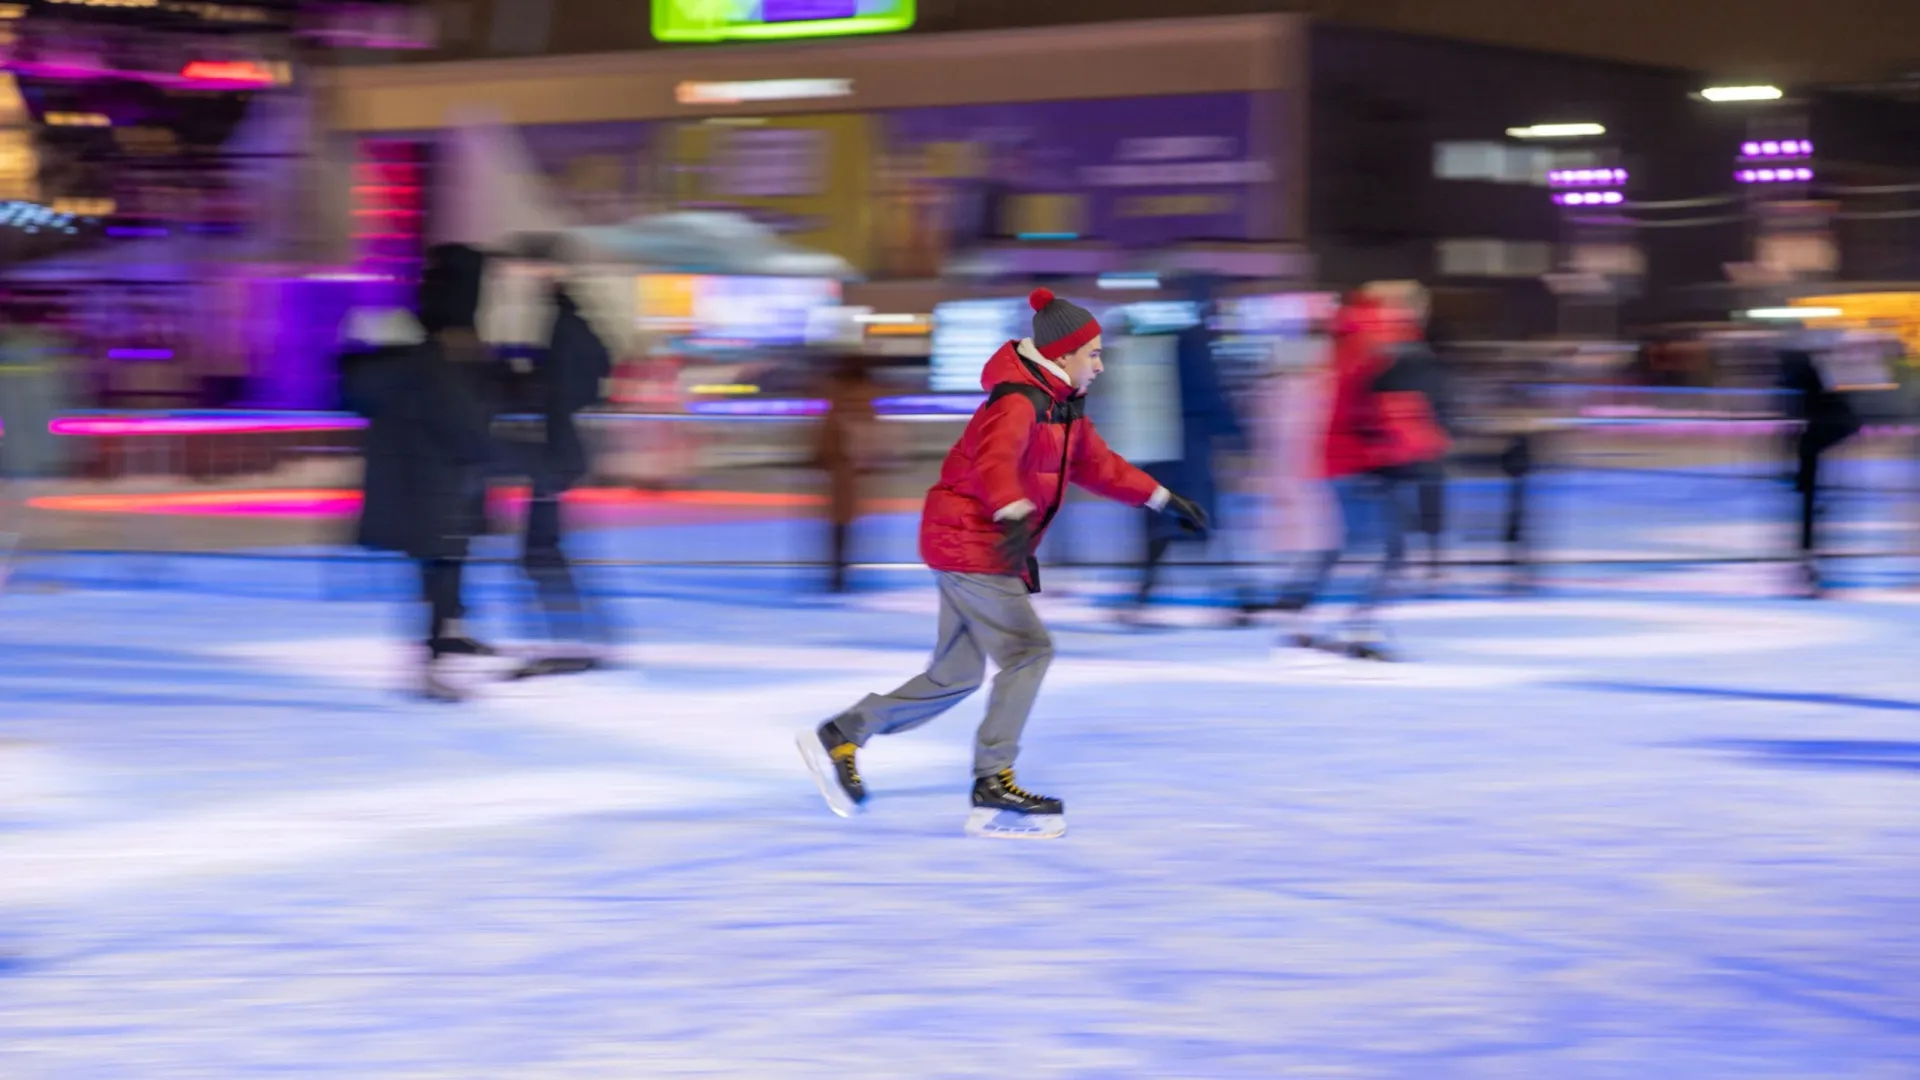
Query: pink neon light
[327, 502]
[106, 427]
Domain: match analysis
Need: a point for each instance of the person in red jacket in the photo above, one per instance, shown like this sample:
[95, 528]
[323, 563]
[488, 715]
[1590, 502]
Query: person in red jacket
[999, 489]
[1378, 437]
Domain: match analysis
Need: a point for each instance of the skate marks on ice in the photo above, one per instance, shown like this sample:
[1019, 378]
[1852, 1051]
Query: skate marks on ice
[75, 864]
[738, 721]
[40, 785]
[767, 690]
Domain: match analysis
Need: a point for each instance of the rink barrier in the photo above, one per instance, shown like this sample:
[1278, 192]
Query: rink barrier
[191, 451]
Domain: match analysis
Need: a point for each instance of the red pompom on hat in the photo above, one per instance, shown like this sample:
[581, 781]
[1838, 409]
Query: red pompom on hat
[1060, 326]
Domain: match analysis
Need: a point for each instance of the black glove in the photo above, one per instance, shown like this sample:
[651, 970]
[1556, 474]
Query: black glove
[1187, 512]
[1016, 543]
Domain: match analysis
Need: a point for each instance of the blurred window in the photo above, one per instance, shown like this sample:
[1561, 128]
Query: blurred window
[1501, 163]
[1469, 161]
[521, 26]
[1471, 257]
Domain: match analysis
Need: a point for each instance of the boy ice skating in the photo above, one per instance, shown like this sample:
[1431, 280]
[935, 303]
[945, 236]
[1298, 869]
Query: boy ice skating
[999, 489]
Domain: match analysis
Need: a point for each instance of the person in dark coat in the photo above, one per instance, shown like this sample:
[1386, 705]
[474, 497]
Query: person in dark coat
[1206, 418]
[566, 381]
[1826, 420]
[425, 389]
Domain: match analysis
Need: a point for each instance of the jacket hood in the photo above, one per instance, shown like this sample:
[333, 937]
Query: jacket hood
[1009, 366]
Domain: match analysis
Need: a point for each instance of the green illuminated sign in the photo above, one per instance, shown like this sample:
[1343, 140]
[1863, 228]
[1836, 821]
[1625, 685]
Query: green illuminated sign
[775, 20]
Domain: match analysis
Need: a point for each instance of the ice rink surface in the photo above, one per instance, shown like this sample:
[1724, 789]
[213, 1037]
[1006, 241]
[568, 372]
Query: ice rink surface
[1667, 828]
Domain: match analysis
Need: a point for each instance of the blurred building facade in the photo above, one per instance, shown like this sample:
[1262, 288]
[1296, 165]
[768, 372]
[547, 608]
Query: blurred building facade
[1368, 152]
[1784, 41]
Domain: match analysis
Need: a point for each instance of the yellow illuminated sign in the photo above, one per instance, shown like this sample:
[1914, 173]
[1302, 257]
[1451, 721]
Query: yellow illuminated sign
[1897, 313]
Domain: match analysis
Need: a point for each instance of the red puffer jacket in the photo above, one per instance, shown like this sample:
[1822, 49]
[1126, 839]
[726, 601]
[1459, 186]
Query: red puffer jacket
[1370, 430]
[1007, 455]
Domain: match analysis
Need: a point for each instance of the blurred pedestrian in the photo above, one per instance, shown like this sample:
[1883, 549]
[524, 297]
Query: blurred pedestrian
[428, 388]
[846, 449]
[1378, 438]
[1200, 418]
[999, 489]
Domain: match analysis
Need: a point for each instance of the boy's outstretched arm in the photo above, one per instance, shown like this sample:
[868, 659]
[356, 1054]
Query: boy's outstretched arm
[1098, 469]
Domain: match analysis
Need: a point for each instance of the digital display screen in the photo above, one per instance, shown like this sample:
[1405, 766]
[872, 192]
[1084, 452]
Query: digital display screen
[966, 334]
[778, 11]
[758, 310]
[772, 20]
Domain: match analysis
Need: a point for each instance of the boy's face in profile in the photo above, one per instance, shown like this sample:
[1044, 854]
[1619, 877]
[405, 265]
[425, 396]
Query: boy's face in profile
[1083, 365]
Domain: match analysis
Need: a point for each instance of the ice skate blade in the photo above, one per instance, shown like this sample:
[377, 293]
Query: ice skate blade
[820, 764]
[547, 667]
[1305, 657]
[991, 824]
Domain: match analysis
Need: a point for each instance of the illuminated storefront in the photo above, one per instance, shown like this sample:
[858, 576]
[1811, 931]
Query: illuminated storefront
[1134, 136]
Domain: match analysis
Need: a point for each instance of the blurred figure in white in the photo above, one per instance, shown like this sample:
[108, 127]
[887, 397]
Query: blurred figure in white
[1293, 402]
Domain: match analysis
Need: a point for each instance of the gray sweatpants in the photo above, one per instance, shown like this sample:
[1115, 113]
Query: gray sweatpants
[981, 616]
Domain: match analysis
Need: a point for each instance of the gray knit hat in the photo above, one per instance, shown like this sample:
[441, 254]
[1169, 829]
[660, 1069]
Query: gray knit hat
[1060, 326]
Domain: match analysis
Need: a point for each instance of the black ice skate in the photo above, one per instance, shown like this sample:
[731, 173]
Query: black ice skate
[829, 757]
[1369, 649]
[460, 645]
[1004, 810]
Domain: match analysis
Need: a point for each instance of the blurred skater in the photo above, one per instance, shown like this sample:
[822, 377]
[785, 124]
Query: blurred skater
[999, 489]
[1381, 436]
[1818, 402]
[567, 381]
[846, 450]
[1293, 403]
[1415, 365]
[1197, 416]
[427, 388]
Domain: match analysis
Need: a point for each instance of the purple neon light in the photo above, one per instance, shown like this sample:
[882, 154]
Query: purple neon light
[929, 404]
[1801, 175]
[1586, 177]
[1590, 198]
[760, 407]
[922, 405]
[1776, 148]
[139, 354]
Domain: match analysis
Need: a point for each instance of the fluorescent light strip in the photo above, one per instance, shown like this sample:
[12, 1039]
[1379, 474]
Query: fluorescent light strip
[1557, 131]
[1722, 94]
[1795, 313]
[735, 93]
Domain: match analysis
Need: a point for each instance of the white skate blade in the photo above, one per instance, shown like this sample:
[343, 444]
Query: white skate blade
[1012, 825]
[820, 764]
[467, 677]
